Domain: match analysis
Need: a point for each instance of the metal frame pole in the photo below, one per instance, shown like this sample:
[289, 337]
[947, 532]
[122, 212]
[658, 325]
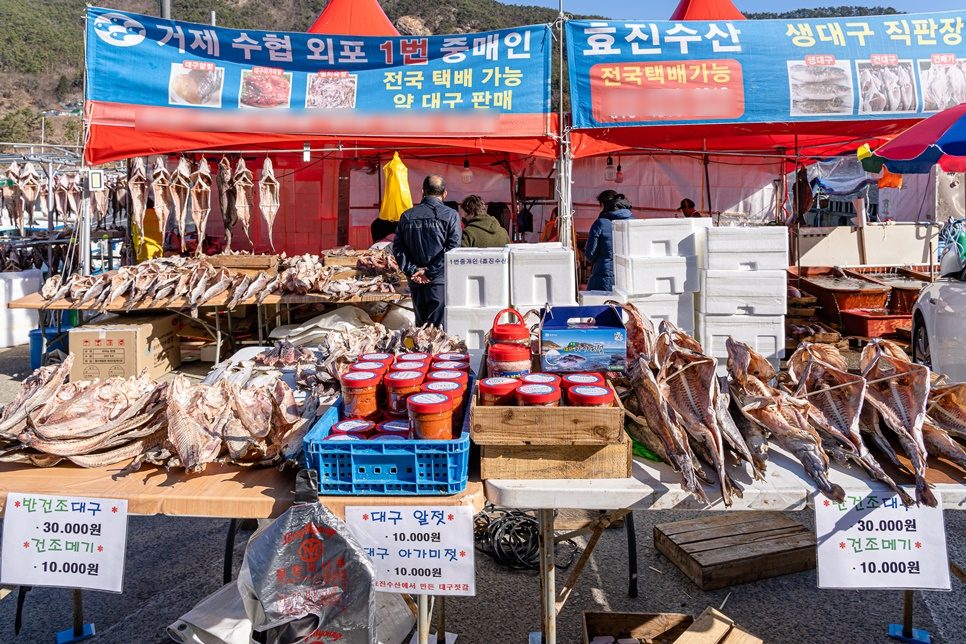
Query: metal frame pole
[422, 620]
[548, 591]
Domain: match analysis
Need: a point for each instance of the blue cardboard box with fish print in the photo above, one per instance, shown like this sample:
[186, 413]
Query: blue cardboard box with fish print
[583, 339]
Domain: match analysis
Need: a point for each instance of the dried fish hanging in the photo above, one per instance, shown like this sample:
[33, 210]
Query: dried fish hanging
[200, 201]
[161, 185]
[226, 199]
[268, 199]
[179, 189]
[243, 188]
[30, 189]
[12, 198]
[137, 186]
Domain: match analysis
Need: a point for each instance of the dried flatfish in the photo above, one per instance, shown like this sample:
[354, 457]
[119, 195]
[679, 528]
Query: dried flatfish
[161, 185]
[268, 200]
[30, 185]
[12, 197]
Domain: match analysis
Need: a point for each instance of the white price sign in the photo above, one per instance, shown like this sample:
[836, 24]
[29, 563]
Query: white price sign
[873, 541]
[65, 541]
[418, 550]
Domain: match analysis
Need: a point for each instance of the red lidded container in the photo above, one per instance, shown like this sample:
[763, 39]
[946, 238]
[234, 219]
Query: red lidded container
[584, 396]
[455, 376]
[451, 365]
[385, 358]
[538, 396]
[509, 332]
[400, 385]
[455, 357]
[400, 427]
[360, 396]
[413, 357]
[374, 367]
[409, 365]
[582, 379]
[498, 392]
[541, 379]
[450, 388]
[354, 426]
[431, 416]
[507, 360]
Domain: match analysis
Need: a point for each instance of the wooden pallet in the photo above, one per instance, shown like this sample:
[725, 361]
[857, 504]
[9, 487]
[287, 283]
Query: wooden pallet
[556, 461]
[859, 342]
[712, 627]
[649, 628]
[736, 547]
[250, 265]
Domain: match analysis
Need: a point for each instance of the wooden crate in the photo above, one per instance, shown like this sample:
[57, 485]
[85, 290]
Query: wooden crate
[736, 547]
[650, 628]
[545, 425]
[712, 627]
[556, 461]
[349, 262]
[248, 264]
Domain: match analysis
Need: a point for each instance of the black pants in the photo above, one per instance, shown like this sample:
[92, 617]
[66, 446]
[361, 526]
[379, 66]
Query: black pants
[429, 301]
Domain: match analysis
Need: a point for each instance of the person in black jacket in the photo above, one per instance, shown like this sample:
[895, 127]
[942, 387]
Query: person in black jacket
[599, 250]
[423, 236]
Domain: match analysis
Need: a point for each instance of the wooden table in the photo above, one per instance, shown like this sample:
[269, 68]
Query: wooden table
[221, 491]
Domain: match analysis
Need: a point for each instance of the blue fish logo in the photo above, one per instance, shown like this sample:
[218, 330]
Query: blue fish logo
[119, 30]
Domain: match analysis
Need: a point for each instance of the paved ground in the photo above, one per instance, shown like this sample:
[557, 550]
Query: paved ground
[174, 562]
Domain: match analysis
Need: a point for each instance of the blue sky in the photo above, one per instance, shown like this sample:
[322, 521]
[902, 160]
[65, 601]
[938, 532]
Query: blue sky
[661, 9]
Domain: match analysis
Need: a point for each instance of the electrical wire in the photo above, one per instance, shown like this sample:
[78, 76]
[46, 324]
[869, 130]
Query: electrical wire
[512, 539]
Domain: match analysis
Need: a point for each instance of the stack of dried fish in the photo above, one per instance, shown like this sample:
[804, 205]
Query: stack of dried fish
[377, 262]
[14, 260]
[285, 354]
[100, 423]
[159, 283]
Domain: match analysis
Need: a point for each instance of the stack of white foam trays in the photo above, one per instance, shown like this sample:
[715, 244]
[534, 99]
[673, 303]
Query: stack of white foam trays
[481, 282]
[656, 267]
[743, 291]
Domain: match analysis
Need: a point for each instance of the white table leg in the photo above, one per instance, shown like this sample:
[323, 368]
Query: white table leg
[548, 591]
[422, 620]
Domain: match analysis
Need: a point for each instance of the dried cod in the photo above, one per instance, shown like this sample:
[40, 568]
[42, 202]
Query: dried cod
[201, 201]
[268, 199]
[179, 189]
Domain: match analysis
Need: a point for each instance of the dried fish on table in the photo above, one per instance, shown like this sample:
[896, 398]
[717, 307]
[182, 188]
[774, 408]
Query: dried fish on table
[947, 409]
[179, 189]
[268, 202]
[243, 186]
[899, 391]
[201, 201]
[641, 335]
[35, 391]
[226, 199]
[782, 415]
[285, 354]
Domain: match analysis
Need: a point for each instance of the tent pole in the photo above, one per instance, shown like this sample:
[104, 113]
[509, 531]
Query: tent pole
[564, 208]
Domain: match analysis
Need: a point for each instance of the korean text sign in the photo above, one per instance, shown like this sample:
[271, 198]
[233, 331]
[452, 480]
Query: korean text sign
[873, 541]
[144, 61]
[631, 73]
[418, 550]
[65, 541]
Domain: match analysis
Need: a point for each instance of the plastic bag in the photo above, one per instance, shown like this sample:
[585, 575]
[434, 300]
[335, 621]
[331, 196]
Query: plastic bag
[304, 578]
[396, 199]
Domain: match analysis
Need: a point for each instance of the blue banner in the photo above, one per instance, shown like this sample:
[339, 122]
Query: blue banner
[145, 61]
[759, 71]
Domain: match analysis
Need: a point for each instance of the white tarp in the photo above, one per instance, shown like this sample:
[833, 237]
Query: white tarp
[656, 184]
[914, 202]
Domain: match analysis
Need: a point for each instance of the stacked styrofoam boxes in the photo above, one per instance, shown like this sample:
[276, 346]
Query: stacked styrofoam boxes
[477, 289]
[743, 291]
[542, 274]
[18, 323]
[656, 264]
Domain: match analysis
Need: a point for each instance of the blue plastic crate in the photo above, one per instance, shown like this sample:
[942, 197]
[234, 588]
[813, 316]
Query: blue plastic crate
[413, 467]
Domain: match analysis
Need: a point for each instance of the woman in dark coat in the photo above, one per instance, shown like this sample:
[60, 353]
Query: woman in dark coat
[599, 250]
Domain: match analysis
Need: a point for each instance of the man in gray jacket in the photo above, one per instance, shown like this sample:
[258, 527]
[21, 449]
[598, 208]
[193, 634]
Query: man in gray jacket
[423, 236]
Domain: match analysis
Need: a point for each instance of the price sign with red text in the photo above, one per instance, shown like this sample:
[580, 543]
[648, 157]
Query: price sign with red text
[872, 541]
[64, 541]
[418, 550]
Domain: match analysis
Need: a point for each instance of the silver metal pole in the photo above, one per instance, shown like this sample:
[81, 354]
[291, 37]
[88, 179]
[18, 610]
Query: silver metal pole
[84, 227]
[166, 9]
[548, 587]
[214, 19]
[423, 619]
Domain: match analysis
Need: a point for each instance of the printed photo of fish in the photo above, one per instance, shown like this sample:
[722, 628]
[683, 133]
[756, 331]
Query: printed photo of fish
[887, 88]
[820, 89]
[331, 92]
[943, 86]
[197, 87]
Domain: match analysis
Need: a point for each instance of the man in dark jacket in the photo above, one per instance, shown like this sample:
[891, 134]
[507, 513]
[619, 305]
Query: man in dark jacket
[599, 250]
[423, 236]
[482, 230]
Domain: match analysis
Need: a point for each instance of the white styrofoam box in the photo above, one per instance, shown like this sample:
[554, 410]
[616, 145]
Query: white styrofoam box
[542, 274]
[743, 293]
[660, 237]
[676, 309]
[16, 324]
[747, 248]
[765, 334]
[656, 275]
[478, 277]
[599, 298]
[470, 324]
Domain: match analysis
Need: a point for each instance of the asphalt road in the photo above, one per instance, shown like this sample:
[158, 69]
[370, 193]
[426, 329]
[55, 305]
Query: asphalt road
[174, 562]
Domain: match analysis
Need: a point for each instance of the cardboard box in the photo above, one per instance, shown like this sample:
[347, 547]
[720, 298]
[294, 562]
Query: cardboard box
[579, 339]
[124, 346]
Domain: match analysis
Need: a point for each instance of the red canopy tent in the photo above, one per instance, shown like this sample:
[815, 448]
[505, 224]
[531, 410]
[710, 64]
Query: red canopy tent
[706, 10]
[358, 17]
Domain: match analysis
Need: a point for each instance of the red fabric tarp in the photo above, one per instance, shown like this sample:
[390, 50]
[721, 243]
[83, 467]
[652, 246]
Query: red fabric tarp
[820, 138]
[706, 10]
[356, 17]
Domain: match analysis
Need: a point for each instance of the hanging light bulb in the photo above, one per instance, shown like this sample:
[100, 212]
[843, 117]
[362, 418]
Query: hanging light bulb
[467, 175]
[306, 152]
[609, 172]
[619, 175]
